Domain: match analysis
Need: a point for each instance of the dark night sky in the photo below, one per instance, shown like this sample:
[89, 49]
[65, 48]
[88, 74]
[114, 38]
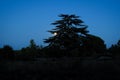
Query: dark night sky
[22, 20]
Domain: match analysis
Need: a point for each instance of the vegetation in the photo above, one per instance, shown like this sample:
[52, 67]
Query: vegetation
[69, 33]
[7, 53]
[72, 54]
[70, 39]
[115, 49]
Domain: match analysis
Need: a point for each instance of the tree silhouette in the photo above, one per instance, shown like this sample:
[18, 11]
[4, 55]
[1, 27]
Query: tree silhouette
[7, 53]
[30, 52]
[93, 45]
[68, 32]
[70, 35]
[115, 49]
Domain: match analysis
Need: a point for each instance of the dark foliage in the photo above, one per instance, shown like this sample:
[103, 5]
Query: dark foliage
[115, 49]
[63, 58]
[93, 45]
[72, 38]
[29, 53]
[7, 53]
[68, 32]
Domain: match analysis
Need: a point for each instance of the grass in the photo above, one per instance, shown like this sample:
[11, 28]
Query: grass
[60, 69]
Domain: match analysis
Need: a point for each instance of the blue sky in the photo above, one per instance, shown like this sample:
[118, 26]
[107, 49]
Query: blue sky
[22, 20]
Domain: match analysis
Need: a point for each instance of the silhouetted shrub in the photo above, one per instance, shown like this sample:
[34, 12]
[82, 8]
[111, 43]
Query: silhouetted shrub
[93, 45]
[115, 49]
[7, 53]
[31, 52]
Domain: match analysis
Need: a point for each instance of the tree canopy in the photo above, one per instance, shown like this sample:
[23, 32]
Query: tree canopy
[69, 30]
[70, 38]
[71, 34]
[115, 48]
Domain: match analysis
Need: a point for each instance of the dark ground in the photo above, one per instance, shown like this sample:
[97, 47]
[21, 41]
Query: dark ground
[61, 69]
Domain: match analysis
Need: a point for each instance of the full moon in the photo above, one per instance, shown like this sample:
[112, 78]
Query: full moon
[55, 34]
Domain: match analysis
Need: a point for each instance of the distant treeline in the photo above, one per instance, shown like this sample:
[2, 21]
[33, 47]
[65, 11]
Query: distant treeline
[70, 39]
[33, 52]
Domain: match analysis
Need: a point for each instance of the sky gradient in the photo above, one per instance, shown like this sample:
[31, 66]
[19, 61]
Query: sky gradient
[22, 20]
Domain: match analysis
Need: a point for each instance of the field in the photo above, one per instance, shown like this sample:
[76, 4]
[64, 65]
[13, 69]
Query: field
[75, 68]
